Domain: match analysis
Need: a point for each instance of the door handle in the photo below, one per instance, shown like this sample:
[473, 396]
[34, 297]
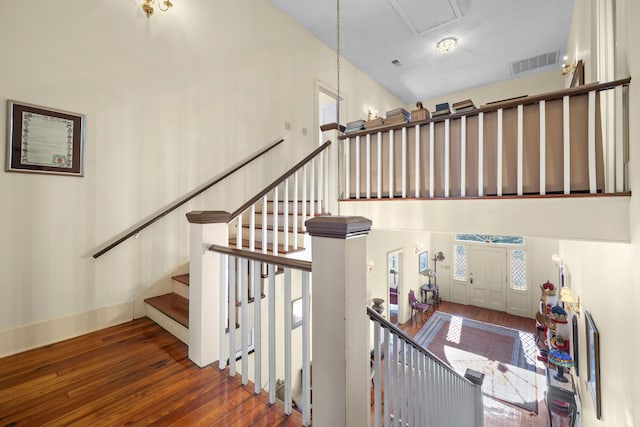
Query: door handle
[471, 278]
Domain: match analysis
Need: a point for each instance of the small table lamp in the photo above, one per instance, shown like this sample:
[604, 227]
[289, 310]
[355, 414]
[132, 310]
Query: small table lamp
[562, 360]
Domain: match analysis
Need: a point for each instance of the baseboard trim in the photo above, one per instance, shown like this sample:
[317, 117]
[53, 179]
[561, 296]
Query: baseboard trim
[34, 335]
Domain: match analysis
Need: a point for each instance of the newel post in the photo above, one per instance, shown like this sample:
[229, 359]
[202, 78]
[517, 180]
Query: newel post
[340, 324]
[206, 228]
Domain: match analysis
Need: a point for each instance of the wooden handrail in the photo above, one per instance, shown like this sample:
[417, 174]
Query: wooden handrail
[373, 315]
[189, 196]
[525, 100]
[296, 264]
[275, 183]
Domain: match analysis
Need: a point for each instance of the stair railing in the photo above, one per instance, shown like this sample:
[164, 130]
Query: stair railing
[531, 145]
[241, 269]
[192, 194]
[419, 389]
[297, 195]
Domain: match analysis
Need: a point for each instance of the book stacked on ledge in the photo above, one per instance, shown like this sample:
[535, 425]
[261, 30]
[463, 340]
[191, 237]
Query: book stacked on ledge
[463, 106]
[397, 116]
[354, 126]
[373, 123]
[442, 109]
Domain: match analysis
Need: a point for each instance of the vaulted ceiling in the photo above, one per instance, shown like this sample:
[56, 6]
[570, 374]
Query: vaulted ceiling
[394, 41]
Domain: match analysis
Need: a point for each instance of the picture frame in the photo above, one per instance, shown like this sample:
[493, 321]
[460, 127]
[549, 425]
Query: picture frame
[423, 262]
[44, 140]
[577, 79]
[593, 363]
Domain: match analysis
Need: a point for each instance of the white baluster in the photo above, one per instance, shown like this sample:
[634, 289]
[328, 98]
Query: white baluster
[224, 308]
[403, 166]
[233, 269]
[377, 375]
[347, 168]
[312, 188]
[287, 341]
[481, 154]
[239, 232]
[388, 390]
[394, 380]
[271, 309]
[257, 326]
[306, 350]
[463, 156]
[418, 170]
[432, 153]
[276, 213]
[591, 134]
[520, 153]
[265, 223]
[295, 210]
[499, 155]
[566, 138]
[285, 215]
[379, 151]
[252, 228]
[543, 147]
[391, 177]
[368, 166]
[357, 166]
[447, 159]
[244, 322]
[304, 197]
[320, 183]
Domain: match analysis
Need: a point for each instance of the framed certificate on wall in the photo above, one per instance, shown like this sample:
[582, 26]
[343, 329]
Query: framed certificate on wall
[44, 140]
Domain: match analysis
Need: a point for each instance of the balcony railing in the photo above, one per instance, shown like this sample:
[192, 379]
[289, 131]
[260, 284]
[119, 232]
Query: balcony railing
[552, 143]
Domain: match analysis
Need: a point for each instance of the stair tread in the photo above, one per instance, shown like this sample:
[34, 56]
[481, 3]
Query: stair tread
[173, 306]
[258, 246]
[270, 228]
[182, 278]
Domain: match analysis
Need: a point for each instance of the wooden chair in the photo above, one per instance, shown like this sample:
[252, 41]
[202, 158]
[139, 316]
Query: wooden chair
[417, 306]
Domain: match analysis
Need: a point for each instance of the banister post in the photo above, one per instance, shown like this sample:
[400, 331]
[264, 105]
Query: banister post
[340, 327]
[206, 228]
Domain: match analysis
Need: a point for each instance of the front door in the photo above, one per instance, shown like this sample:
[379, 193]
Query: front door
[488, 277]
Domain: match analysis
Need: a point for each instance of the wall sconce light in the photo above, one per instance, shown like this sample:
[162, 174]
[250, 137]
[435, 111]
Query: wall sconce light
[566, 296]
[370, 266]
[568, 68]
[419, 247]
[372, 114]
[163, 5]
[556, 259]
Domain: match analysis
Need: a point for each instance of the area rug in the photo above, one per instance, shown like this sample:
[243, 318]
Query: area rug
[506, 356]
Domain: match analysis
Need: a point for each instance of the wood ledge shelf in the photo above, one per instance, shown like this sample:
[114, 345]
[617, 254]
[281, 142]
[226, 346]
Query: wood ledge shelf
[507, 197]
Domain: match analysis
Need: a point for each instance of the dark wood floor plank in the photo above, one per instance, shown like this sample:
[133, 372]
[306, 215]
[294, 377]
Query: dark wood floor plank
[131, 374]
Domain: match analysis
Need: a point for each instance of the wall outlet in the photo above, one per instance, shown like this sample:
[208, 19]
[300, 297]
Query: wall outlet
[304, 131]
[287, 125]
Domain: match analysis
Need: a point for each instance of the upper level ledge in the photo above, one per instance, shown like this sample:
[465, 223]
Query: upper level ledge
[600, 217]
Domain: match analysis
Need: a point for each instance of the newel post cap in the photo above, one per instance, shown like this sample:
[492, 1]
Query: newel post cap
[338, 227]
[208, 217]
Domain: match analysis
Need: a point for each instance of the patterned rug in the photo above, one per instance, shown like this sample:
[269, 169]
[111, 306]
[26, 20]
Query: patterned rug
[506, 356]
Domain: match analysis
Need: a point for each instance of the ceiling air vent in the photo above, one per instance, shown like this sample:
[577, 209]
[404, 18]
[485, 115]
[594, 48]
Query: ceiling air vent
[396, 62]
[538, 61]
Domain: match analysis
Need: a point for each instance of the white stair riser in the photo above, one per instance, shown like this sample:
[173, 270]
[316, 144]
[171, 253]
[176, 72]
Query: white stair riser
[173, 327]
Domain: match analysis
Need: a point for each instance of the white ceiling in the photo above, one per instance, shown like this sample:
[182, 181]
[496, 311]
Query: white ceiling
[492, 34]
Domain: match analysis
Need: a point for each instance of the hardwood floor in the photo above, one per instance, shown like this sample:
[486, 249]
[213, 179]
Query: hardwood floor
[131, 374]
[496, 413]
[139, 374]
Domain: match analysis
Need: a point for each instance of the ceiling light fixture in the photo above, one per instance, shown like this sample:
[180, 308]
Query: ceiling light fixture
[447, 44]
[148, 8]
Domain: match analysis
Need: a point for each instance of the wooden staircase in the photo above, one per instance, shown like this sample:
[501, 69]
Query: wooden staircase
[171, 311]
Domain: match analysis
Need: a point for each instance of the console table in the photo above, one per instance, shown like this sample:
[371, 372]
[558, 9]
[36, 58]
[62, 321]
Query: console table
[435, 293]
[561, 396]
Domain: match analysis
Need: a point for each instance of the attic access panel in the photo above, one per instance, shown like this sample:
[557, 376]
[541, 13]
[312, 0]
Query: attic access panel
[421, 19]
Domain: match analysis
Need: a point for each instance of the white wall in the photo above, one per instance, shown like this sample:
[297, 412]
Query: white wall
[530, 85]
[170, 101]
[604, 275]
